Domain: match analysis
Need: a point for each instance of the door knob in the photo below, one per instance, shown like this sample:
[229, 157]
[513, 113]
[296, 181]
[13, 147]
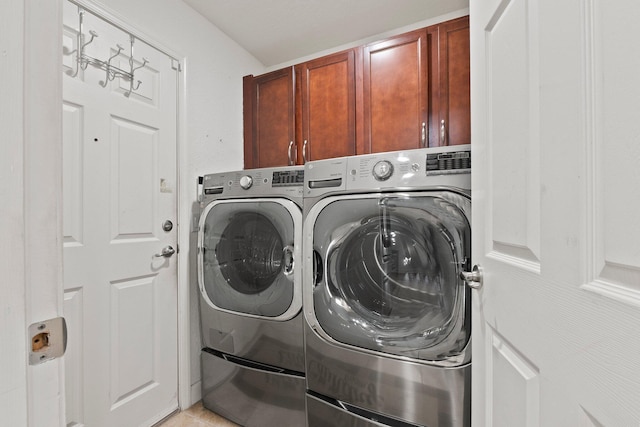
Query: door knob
[167, 251]
[473, 278]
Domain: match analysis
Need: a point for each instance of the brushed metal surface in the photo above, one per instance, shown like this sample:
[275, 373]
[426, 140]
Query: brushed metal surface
[265, 341]
[323, 414]
[413, 392]
[263, 185]
[341, 376]
[252, 397]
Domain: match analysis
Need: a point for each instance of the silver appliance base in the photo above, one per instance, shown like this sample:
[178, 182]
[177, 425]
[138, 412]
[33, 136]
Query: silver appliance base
[251, 396]
[416, 393]
[321, 412]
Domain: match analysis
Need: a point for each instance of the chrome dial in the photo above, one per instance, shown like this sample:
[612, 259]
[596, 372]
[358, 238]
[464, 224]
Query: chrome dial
[246, 182]
[382, 170]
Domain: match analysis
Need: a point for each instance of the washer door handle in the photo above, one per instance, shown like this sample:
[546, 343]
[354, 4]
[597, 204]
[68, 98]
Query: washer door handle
[473, 278]
[289, 260]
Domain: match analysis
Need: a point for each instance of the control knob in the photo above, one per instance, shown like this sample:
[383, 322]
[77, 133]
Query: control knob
[382, 170]
[246, 182]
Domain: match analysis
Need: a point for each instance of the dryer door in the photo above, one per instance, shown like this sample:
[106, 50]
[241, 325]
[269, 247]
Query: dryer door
[387, 272]
[246, 257]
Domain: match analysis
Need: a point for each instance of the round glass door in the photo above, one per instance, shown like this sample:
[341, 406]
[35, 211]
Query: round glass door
[246, 257]
[387, 273]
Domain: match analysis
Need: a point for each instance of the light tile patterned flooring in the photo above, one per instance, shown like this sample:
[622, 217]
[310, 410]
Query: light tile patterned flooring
[197, 416]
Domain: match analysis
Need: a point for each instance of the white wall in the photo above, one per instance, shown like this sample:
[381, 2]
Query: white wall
[374, 38]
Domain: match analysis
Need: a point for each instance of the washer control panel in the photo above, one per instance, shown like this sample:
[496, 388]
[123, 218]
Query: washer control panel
[263, 182]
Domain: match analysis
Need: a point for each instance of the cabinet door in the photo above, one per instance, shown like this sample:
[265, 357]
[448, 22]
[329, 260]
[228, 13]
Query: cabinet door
[395, 93]
[450, 106]
[269, 123]
[328, 107]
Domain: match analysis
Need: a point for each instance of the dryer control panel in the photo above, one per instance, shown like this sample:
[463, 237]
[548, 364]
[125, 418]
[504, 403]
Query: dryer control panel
[442, 166]
[410, 169]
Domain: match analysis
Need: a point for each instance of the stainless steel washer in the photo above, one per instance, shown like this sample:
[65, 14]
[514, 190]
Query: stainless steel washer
[249, 247]
[387, 333]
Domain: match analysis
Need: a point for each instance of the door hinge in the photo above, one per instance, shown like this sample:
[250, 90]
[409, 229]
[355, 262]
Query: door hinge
[47, 340]
[175, 64]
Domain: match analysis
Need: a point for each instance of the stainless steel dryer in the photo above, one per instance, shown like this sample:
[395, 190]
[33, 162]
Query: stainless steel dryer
[387, 333]
[249, 244]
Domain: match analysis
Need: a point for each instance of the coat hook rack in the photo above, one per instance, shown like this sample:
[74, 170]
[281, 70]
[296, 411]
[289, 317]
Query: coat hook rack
[111, 71]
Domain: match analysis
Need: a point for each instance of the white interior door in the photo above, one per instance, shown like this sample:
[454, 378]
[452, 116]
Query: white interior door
[119, 187]
[556, 102]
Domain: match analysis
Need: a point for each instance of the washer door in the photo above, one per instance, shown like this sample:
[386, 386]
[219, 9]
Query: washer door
[246, 257]
[387, 272]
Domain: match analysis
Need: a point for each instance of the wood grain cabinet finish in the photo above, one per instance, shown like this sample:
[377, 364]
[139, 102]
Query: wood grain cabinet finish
[269, 119]
[449, 83]
[328, 97]
[405, 92]
[395, 93]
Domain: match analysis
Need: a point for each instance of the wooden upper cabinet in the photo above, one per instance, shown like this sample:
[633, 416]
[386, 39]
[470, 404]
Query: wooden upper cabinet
[328, 97]
[395, 97]
[449, 83]
[405, 92]
[269, 119]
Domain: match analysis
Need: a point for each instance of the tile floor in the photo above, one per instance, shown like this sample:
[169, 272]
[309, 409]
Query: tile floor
[197, 416]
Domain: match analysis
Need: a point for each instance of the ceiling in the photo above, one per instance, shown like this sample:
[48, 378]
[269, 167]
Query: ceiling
[278, 31]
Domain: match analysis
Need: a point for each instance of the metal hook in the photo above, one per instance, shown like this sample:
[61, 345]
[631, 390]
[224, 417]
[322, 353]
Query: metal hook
[78, 43]
[110, 73]
[93, 36]
[77, 61]
[83, 61]
[144, 62]
[131, 88]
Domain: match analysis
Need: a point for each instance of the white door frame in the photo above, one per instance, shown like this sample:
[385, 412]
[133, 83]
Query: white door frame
[42, 145]
[41, 38]
[30, 260]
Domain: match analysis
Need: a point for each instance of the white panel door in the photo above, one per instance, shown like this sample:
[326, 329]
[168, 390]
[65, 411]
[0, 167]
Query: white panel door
[555, 122]
[119, 181]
